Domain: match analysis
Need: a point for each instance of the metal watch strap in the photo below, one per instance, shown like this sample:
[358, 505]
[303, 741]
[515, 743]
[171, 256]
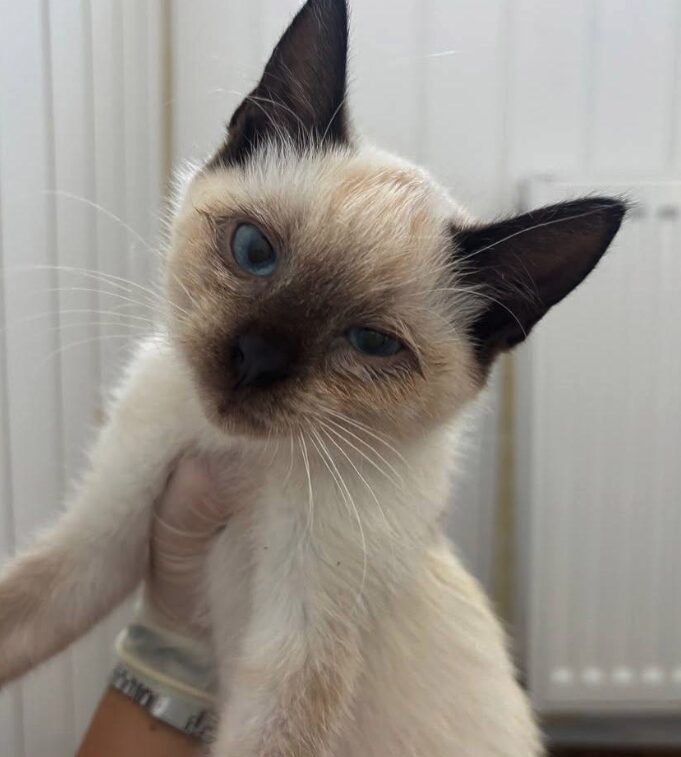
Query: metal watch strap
[182, 713]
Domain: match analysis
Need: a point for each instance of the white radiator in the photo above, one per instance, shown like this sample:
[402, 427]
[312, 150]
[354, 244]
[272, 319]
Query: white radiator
[599, 471]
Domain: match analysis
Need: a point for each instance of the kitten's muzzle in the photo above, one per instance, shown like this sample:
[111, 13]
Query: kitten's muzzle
[260, 360]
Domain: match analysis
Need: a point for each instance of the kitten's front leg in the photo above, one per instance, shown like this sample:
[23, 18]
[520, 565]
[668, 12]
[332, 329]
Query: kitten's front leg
[81, 568]
[292, 692]
[292, 685]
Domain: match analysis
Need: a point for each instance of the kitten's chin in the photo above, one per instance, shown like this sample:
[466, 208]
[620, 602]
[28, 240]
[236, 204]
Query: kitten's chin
[253, 420]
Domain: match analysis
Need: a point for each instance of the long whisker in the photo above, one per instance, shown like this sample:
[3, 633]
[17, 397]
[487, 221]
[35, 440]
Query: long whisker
[363, 480]
[117, 282]
[392, 478]
[184, 288]
[138, 320]
[106, 212]
[80, 343]
[92, 311]
[310, 497]
[131, 302]
[398, 478]
[367, 430]
[349, 500]
[290, 464]
[62, 327]
[151, 298]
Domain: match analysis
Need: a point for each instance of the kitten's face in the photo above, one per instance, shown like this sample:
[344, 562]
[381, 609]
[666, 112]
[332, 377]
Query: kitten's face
[359, 244]
[319, 282]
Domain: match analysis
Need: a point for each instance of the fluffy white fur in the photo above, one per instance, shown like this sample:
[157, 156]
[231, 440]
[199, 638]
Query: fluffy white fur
[386, 624]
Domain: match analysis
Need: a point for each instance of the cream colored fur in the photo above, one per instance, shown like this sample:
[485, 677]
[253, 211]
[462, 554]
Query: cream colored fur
[343, 623]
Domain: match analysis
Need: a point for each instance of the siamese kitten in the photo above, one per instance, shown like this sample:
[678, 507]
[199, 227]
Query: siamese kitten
[331, 312]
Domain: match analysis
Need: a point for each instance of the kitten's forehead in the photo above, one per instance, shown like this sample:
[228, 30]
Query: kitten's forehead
[374, 209]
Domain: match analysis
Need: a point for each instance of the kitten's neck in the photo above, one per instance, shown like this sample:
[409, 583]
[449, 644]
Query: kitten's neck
[402, 485]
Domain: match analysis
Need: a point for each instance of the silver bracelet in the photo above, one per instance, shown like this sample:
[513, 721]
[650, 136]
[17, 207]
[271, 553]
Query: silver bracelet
[168, 677]
[179, 713]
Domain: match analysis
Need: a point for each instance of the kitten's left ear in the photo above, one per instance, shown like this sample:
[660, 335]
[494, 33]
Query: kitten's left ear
[301, 96]
[524, 266]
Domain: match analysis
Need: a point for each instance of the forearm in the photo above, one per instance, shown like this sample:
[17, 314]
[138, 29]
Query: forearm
[121, 727]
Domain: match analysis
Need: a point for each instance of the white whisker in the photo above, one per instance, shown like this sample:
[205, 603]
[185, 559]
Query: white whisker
[391, 531]
[347, 496]
[310, 497]
[368, 431]
[396, 477]
[373, 463]
[108, 213]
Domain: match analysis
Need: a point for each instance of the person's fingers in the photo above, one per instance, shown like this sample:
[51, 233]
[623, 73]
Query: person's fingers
[199, 498]
[180, 538]
[192, 506]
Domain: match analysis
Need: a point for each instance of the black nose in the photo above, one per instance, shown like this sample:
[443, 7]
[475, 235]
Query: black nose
[260, 360]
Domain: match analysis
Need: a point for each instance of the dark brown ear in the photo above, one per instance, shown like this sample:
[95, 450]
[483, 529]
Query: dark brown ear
[523, 266]
[301, 96]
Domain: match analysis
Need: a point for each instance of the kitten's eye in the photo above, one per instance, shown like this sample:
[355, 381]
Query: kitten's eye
[375, 343]
[252, 251]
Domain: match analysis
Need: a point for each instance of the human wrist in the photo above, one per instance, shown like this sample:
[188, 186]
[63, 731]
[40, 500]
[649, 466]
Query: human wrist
[169, 674]
[120, 727]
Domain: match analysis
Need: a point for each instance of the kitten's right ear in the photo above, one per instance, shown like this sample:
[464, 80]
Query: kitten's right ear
[300, 99]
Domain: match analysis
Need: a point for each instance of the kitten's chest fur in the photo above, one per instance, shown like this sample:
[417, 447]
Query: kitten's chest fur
[293, 497]
[345, 534]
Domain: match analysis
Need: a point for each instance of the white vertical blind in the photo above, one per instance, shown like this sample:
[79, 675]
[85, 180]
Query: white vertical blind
[33, 404]
[81, 144]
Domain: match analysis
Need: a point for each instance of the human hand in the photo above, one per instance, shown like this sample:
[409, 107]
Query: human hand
[192, 510]
[165, 654]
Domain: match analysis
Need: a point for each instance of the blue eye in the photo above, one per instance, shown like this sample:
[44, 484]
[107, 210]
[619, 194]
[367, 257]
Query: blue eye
[252, 251]
[374, 343]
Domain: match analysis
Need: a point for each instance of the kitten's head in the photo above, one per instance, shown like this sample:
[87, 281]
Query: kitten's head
[319, 281]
